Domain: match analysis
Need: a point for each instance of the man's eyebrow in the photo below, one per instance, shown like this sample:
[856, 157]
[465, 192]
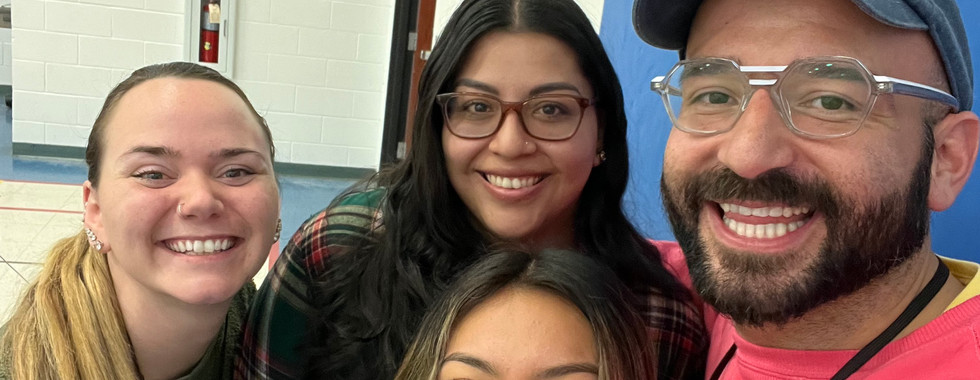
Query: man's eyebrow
[471, 361]
[568, 369]
[837, 72]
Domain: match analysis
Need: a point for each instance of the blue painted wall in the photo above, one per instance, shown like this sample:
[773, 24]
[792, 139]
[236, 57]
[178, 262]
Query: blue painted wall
[955, 232]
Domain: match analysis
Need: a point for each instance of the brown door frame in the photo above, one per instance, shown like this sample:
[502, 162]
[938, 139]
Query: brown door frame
[426, 20]
[411, 36]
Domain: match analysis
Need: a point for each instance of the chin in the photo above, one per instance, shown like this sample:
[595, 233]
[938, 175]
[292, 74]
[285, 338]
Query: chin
[207, 294]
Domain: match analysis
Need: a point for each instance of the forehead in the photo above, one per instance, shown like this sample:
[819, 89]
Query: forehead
[522, 59]
[525, 328]
[776, 32]
[182, 112]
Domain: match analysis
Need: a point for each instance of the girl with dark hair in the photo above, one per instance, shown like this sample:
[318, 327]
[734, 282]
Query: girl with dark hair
[515, 315]
[355, 280]
[181, 209]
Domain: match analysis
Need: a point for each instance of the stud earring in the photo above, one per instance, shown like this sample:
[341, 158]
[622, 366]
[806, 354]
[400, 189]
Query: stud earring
[275, 237]
[602, 155]
[93, 240]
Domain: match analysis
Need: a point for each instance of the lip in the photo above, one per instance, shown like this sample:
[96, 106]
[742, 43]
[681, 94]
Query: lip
[792, 241]
[512, 195]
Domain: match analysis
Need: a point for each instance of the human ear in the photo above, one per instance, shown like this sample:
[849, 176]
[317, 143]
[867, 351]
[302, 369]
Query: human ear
[956, 139]
[92, 216]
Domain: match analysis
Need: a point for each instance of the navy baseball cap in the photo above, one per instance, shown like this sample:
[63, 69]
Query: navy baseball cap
[667, 23]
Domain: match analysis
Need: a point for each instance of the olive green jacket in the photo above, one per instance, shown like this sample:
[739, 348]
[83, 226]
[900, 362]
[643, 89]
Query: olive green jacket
[219, 359]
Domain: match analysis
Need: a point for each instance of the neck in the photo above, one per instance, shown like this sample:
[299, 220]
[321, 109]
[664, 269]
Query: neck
[168, 336]
[854, 320]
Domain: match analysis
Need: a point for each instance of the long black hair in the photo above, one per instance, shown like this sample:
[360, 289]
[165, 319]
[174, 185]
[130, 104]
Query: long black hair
[372, 299]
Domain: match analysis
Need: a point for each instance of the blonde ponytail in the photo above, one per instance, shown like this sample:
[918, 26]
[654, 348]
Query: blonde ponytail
[68, 325]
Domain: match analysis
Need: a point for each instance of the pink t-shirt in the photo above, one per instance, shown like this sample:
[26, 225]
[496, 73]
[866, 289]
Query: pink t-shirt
[947, 348]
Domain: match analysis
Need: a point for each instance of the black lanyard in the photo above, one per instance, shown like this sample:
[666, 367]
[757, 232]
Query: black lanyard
[915, 307]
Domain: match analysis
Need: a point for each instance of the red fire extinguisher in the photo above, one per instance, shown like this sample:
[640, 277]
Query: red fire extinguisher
[209, 31]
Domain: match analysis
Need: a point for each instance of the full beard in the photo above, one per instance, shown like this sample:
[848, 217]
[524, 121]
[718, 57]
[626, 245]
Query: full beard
[865, 240]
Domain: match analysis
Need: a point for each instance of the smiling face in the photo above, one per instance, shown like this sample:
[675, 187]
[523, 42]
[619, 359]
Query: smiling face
[773, 223]
[521, 188]
[192, 143]
[521, 333]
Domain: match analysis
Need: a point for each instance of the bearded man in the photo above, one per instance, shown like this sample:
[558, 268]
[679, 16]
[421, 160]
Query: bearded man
[810, 140]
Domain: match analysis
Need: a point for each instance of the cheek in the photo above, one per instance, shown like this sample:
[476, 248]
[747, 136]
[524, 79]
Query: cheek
[132, 213]
[684, 151]
[258, 204]
[460, 153]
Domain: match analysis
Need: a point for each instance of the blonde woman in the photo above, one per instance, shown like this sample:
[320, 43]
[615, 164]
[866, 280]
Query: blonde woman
[181, 209]
[515, 315]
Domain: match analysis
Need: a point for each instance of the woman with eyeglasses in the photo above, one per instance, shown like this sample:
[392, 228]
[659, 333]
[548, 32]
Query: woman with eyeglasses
[520, 138]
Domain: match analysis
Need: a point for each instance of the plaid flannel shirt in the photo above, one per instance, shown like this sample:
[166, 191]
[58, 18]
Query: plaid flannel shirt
[282, 313]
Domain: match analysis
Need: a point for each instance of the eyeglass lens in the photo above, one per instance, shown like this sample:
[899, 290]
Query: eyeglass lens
[819, 98]
[547, 117]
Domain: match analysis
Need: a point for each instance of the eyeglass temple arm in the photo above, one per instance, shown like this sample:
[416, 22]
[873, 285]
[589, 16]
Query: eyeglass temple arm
[658, 85]
[898, 86]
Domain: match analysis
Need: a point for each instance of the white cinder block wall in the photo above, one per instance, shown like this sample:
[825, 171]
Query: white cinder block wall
[316, 69]
[68, 55]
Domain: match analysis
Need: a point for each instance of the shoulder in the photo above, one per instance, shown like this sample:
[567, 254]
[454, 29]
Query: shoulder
[966, 273]
[347, 220]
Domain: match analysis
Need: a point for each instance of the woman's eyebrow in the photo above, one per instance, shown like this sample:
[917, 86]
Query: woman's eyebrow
[477, 85]
[554, 86]
[233, 152]
[162, 151]
[568, 369]
[471, 361]
[537, 90]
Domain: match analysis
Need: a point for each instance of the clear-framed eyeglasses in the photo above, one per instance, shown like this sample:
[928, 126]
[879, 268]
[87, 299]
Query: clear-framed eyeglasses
[817, 97]
[551, 117]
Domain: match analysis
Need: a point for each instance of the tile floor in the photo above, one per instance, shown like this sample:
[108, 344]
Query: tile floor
[41, 202]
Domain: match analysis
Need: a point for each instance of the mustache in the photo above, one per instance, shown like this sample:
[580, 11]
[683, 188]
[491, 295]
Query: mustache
[774, 186]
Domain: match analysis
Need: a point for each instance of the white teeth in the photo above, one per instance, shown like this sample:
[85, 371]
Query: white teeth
[785, 212]
[762, 231]
[200, 247]
[512, 183]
